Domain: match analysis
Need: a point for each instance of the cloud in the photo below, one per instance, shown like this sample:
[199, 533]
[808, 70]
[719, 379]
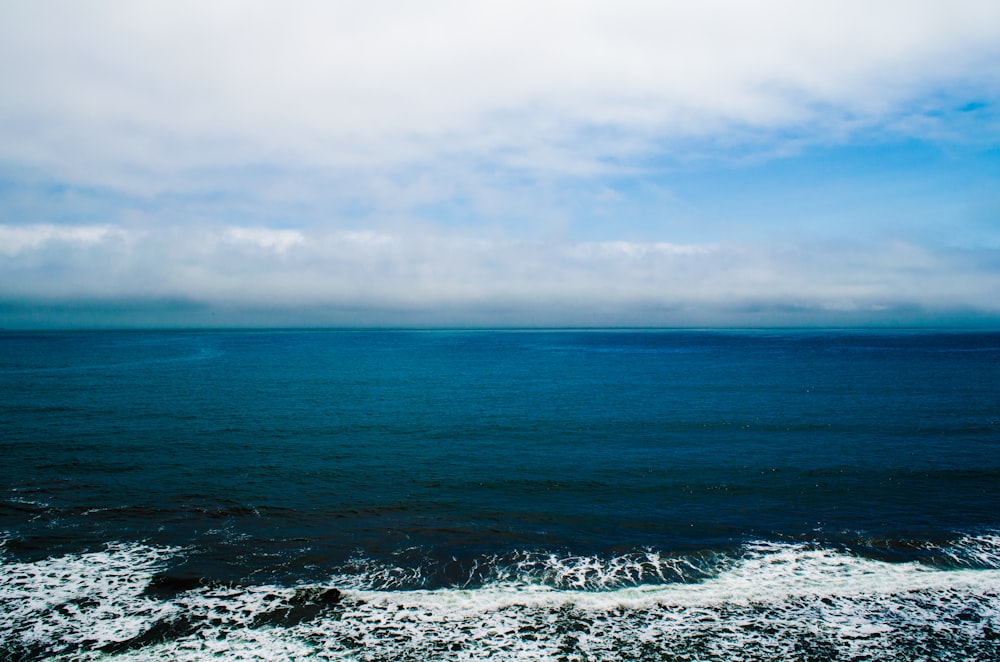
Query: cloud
[644, 282]
[136, 95]
[15, 240]
[515, 159]
[277, 241]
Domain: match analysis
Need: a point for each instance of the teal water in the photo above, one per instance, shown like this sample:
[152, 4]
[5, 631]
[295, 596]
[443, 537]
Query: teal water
[404, 462]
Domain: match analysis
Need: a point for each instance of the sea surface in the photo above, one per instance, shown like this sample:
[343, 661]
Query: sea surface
[458, 495]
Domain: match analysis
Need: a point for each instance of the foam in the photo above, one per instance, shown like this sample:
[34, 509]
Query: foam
[768, 601]
[562, 571]
[977, 551]
[50, 605]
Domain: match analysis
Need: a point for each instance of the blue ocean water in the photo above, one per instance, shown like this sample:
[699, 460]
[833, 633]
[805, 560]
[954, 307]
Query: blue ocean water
[585, 494]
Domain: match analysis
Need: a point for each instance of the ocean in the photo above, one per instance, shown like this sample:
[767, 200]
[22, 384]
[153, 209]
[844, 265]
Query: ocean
[502, 494]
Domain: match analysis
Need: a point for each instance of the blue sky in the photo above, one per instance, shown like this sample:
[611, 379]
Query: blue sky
[499, 163]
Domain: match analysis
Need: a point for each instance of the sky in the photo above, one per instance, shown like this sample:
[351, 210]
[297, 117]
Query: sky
[577, 163]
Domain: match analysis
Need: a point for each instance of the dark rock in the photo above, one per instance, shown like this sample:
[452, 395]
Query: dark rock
[322, 596]
[162, 630]
[169, 585]
[304, 605]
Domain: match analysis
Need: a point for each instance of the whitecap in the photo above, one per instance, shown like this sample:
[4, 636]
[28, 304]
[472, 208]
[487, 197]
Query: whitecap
[766, 601]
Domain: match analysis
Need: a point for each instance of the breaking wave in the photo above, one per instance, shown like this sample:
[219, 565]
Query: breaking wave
[764, 600]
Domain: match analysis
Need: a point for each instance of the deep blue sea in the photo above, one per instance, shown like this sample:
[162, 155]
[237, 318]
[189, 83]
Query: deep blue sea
[423, 495]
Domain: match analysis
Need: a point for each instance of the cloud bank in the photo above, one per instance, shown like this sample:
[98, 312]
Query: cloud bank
[358, 278]
[439, 157]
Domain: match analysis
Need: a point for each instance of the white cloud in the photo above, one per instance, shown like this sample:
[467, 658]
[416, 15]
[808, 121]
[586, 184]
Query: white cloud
[437, 154]
[17, 239]
[341, 270]
[278, 241]
[133, 94]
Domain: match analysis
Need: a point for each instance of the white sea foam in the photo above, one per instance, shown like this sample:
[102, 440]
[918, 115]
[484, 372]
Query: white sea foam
[561, 571]
[50, 606]
[981, 550]
[769, 601]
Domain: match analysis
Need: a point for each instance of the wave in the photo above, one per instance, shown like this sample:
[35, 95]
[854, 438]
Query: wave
[417, 570]
[764, 600]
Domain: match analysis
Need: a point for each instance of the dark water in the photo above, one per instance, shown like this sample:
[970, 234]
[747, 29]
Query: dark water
[817, 494]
